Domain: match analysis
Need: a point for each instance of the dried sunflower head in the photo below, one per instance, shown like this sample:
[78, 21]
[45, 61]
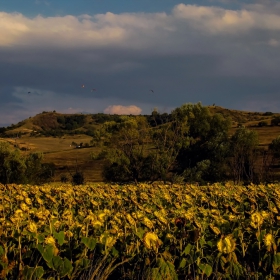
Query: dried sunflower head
[180, 222]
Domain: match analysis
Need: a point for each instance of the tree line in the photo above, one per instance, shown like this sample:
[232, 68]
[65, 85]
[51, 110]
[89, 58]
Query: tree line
[190, 144]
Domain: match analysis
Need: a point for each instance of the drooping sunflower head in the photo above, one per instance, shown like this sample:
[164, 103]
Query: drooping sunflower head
[226, 244]
[147, 222]
[151, 241]
[32, 227]
[180, 222]
[108, 240]
[50, 240]
[214, 229]
[269, 241]
[131, 220]
[24, 207]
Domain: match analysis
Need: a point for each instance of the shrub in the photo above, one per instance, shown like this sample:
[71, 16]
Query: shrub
[77, 178]
[262, 123]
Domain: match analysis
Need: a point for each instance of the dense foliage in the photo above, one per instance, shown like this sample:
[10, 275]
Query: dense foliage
[140, 231]
[190, 145]
[16, 167]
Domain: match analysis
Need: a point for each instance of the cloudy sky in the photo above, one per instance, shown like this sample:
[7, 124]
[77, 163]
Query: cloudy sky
[130, 56]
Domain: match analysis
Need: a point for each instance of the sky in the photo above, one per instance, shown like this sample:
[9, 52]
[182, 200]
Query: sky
[131, 56]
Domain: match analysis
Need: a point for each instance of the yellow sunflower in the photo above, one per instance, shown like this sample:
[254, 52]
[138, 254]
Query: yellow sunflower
[50, 240]
[226, 244]
[256, 220]
[151, 241]
[32, 227]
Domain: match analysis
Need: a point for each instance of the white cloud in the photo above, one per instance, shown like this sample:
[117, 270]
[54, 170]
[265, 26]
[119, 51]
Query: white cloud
[131, 30]
[123, 110]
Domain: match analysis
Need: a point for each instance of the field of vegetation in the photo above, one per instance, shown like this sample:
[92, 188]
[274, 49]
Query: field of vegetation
[144, 231]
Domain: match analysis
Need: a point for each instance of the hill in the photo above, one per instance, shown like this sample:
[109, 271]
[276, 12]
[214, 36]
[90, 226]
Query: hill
[58, 136]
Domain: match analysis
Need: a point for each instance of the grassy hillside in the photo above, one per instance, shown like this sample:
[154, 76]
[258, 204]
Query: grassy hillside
[29, 135]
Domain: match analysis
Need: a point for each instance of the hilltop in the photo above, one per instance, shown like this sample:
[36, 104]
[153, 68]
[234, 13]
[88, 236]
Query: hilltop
[51, 121]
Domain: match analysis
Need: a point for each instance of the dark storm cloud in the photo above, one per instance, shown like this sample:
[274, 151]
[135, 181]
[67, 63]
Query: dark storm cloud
[195, 53]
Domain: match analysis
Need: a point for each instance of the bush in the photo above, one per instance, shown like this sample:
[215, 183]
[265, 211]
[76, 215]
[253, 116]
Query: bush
[268, 114]
[262, 123]
[64, 178]
[78, 178]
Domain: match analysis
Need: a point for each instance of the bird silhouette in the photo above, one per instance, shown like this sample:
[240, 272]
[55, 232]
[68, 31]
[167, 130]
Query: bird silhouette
[152, 90]
[94, 89]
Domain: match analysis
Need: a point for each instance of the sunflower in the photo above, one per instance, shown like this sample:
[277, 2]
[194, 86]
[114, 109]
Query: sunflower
[50, 240]
[148, 223]
[268, 239]
[108, 240]
[18, 213]
[180, 222]
[226, 244]
[28, 201]
[39, 200]
[256, 220]
[265, 214]
[24, 207]
[32, 227]
[151, 241]
[214, 229]
[19, 197]
[96, 223]
[131, 220]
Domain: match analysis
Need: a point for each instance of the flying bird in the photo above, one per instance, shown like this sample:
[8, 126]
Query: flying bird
[94, 89]
[152, 90]
[83, 86]
[29, 92]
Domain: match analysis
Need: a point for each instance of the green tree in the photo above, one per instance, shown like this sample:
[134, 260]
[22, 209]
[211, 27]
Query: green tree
[18, 168]
[12, 164]
[243, 146]
[208, 144]
[128, 155]
[273, 158]
[168, 139]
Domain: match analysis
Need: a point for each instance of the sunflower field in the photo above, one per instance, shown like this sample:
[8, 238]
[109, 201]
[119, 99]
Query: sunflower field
[146, 231]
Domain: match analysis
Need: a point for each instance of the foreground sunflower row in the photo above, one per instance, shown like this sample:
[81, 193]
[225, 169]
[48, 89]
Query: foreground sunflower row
[148, 231]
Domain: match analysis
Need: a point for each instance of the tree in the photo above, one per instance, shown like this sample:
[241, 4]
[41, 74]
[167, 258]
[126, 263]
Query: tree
[243, 146]
[208, 144]
[168, 139]
[18, 168]
[12, 164]
[128, 156]
[273, 154]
